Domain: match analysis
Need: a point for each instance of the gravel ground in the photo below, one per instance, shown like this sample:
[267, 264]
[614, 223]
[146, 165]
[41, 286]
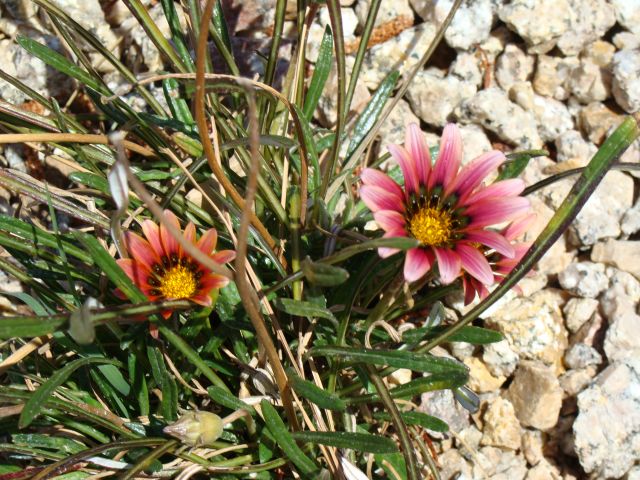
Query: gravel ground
[561, 394]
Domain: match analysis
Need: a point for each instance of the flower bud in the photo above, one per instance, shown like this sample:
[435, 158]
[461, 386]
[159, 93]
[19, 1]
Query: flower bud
[196, 429]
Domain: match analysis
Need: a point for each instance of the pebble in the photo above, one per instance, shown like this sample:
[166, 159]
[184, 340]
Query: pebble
[626, 79]
[492, 109]
[400, 53]
[633, 474]
[536, 395]
[327, 112]
[500, 359]
[454, 466]
[630, 222]
[532, 445]
[502, 464]
[584, 279]
[471, 24]
[552, 116]
[552, 74]
[589, 83]
[480, 378]
[468, 441]
[596, 120]
[443, 405]
[523, 17]
[574, 381]
[577, 311]
[626, 40]
[628, 14]
[607, 429]
[544, 471]
[467, 68]
[433, 97]
[350, 18]
[513, 66]
[590, 20]
[475, 142]
[501, 427]
[622, 254]
[140, 51]
[393, 129]
[599, 52]
[622, 339]
[581, 355]
[573, 148]
[387, 12]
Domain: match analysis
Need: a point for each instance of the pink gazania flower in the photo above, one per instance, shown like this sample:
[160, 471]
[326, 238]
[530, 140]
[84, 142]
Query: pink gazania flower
[163, 271]
[447, 208]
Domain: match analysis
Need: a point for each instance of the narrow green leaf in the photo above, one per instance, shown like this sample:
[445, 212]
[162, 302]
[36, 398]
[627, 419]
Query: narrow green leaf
[29, 326]
[320, 74]
[362, 442]
[401, 243]
[474, 335]
[301, 308]
[417, 418]
[518, 161]
[323, 275]
[315, 394]
[392, 358]
[285, 440]
[36, 401]
[226, 399]
[371, 112]
[61, 444]
[310, 145]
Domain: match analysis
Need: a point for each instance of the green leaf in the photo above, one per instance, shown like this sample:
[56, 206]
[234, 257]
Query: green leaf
[11, 327]
[363, 442]
[392, 358]
[417, 418]
[320, 74]
[315, 394]
[310, 145]
[371, 112]
[301, 308]
[35, 403]
[518, 161]
[401, 243]
[474, 335]
[226, 399]
[323, 275]
[393, 464]
[36, 440]
[285, 440]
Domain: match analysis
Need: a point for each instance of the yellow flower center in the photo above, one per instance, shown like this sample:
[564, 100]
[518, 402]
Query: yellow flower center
[178, 282]
[431, 226]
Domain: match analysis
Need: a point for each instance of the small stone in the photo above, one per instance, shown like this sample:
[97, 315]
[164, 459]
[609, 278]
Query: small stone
[633, 474]
[532, 445]
[454, 466]
[552, 116]
[350, 18]
[622, 254]
[552, 74]
[140, 50]
[501, 427]
[500, 359]
[544, 471]
[626, 81]
[590, 20]
[573, 148]
[536, 395]
[513, 66]
[601, 215]
[398, 53]
[622, 295]
[475, 142]
[442, 404]
[387, 12]
[393, 129]
[534, 326]
[400, 376]
[584, 279]
[626, 40]
[523, 17]
[622, 339]
[492, 109]
[327, 111]
[607, 429]
[480, 378]
[628, 14]
[467, 68]
[574, 381]
[599, 53]
[630, 223]
[434, 97]
[505, 465]
[589, 82]
[577, 311]
[596, 119]
[581, 356]
[470, 26]
[592, 332]
[468, 441]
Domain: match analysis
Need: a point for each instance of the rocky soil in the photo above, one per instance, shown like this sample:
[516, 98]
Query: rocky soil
[560, 396]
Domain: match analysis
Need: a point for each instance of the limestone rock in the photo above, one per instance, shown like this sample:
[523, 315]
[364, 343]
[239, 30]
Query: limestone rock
[501, 427]
[500, 359]
[607, 429]
[523, 17]
[630, 223]
[599, 52]
[513, 66]
[626, 40]
[532, 445]
[443, 405]
[590, 20]
[552, 116]
[327, 111]
[622, 295]
[552, 74]
[596, 120]
[453, 465]
[628, 14]
[140, 50]
[581, 355]
[467, 68]
[573, 148]
[475, 142]
[622, 254]
[534, 326]
[536, 395]
[393, 129]
[388, 11]
[584, 279]
[492, 109]
[577, 311]
[622, 339]
[574, 381]
[480, 378]
[434, 97]
[589, 82]
[626, 79]
[499, 464]
[544, 471]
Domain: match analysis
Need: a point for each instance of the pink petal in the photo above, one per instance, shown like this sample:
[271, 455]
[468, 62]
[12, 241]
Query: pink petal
[190, 233]
[385, 252]
[519, 227]
[203, 299]
[470, 290]
[505, 188]
[389, 219]
[408, 167]
[473, 173]
[211, 281]
[378, 199]
[475, 263]
[223, 256]
[140, 250]
[152, 232]
[136, 271]
[208, 241]
[449, 157]
[374, 177]
[449, 264]
[416, 145]
[169, 243]
[496, 210]
[491, 239]
[417, 263]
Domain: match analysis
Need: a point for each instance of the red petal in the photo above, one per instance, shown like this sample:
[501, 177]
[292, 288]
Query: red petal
[375, 198]
[491, 239]
[224, 256]
[496, 210]
[169, 243]
[376, 178]
[449, 264]
[190, 233]
[140, 250]
[475, 263]
[136, 271]
[416, 145]
[389, 220]
[472, 174]
[152, 232]
[449, 157]
[505, 188]
[408, 167]
[385, 252]
[208, 241]
[417, 263]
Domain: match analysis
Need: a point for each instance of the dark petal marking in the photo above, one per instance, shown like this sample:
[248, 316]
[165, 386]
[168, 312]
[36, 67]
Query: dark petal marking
[157, 268]
[174, 259]
[165, 261]
[155, 292]
[153, 282]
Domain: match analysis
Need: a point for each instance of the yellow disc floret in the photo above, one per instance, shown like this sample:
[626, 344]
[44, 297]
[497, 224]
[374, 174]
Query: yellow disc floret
[178, 282]
[431, 226]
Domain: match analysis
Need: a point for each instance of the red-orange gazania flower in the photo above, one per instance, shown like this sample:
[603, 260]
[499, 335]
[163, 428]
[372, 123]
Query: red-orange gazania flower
[162, 270]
